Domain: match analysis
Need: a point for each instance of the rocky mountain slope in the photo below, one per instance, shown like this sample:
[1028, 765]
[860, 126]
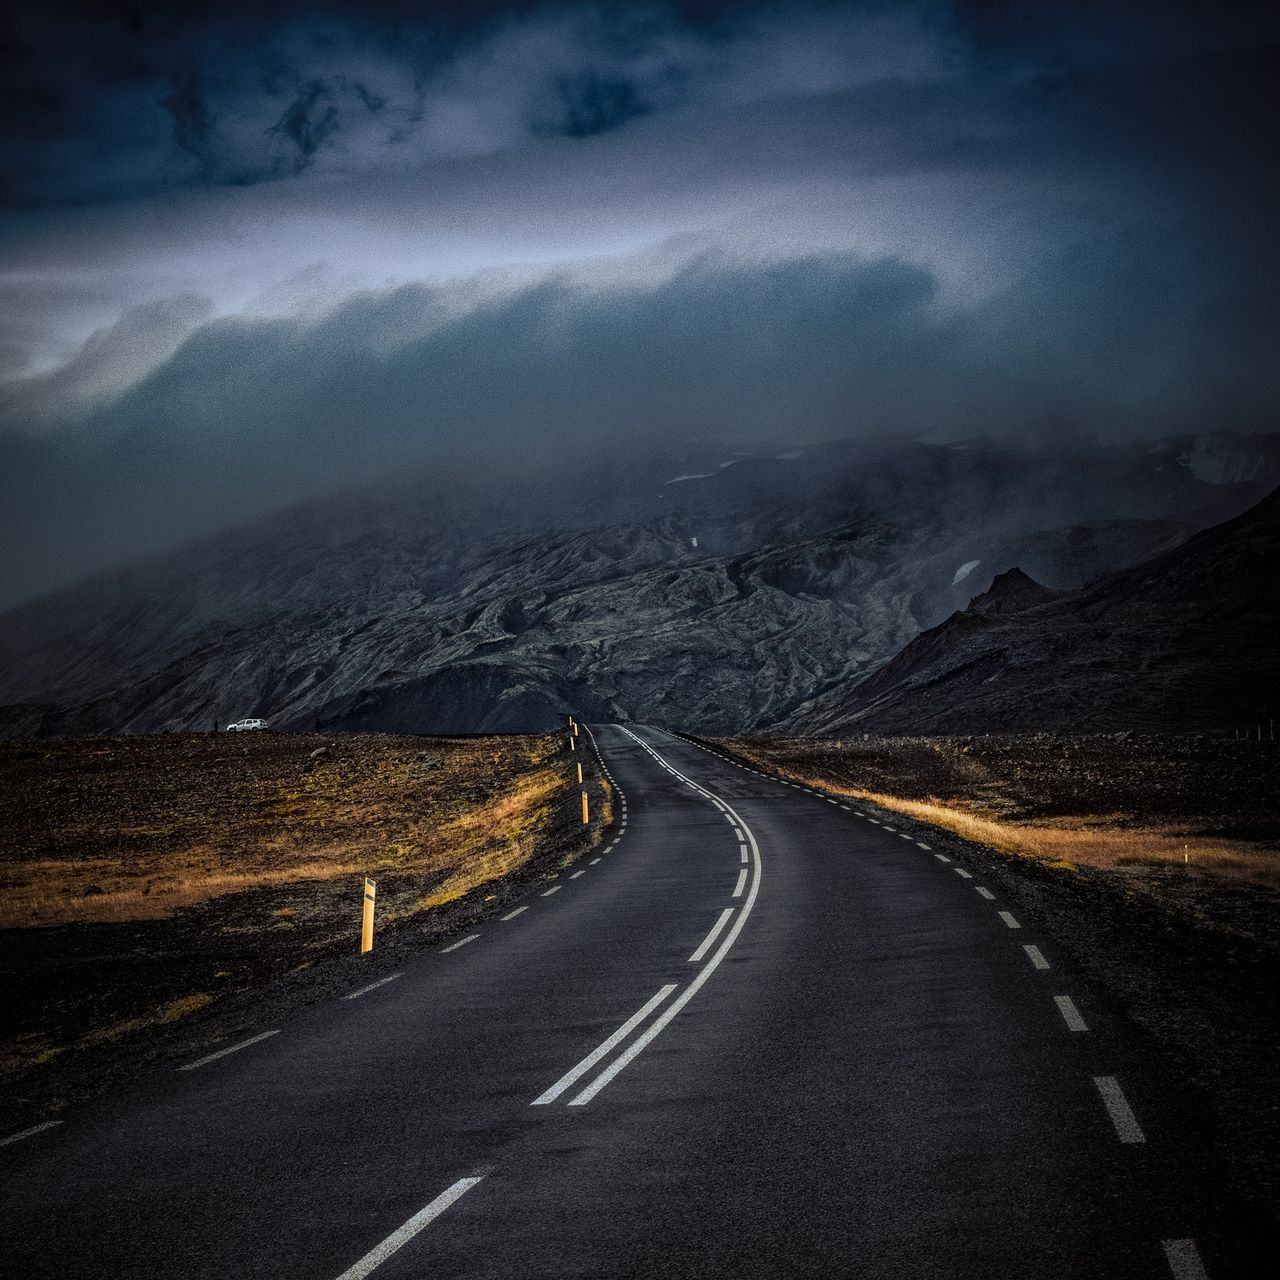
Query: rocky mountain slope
[713, 590]
[1184, 640]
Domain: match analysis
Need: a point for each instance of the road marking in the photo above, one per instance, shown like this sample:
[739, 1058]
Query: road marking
[875, 820]
[845, 807]
[1119, 1110]
[1070, 1014]
[28, 1133]
[462, 942]
[511, 915]
[1184, 1259]
[887, 827]
[593, 862]
[742, 880]
[1007, 917]
[576, 874]
[235, 1048]
[922, 845]
[942, 857]
[742, 852]
[373, 986]
[712, 936]
[1037, 959]
[400, 1237]
[656, 1028]
[581, 1069]
[555, 888]
[960, 871]
[986, 893]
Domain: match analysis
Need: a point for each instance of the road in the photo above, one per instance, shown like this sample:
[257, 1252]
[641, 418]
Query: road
[760, 1034]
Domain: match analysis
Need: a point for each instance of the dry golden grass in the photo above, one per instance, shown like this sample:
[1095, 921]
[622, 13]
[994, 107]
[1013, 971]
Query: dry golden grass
[142, 827]
[1093, 840]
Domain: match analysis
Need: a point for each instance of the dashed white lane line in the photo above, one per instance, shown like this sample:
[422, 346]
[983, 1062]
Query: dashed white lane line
[716, 928]
[845, 807]
[576, 874]
[555, 888]
[402, 1235]
[511, 915]
[1184, 1260]
[922, 845]
[29, 1133]
[462, 942]
[887, 827]
[593, 862]
[1070, 1014]
[235, 1048]
[962, 873]
[985, 892]
[902, 835]
[602, 1050]
[373, 986]
[1126, 1123]
[875, 820]
[1007, 917]
[742, 852]
[942, 857]
[1036, 957]
[742, 880]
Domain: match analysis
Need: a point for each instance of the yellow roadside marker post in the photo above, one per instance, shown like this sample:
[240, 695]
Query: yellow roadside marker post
[366, 923]
[585, 816]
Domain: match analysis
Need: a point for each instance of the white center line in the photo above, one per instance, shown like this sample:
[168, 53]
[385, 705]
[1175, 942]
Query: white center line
[380, 1253]
[511, 915]
[1184, 1259]
[576, 1072]
[1070, 1014]
[462, 942]
[960, 871]
[235, 1048]
[986, 893]
[1118, 1108]
[555, 888]
[576, 874]
[742, 880]
[1007, 917]
[1036, 957]
[712, 936]
[373, 986]
[27, 1133]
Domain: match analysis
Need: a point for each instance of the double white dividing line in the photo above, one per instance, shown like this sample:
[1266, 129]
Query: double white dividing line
[738, 916]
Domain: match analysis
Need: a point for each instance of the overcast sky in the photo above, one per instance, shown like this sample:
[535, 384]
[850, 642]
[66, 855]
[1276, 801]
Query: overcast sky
[252, 253]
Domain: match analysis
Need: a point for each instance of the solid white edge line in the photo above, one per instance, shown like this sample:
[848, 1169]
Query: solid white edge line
[373, 986]
[402, 1235]
[580, 1069]
[1070, 1014]
[705, 945]
[1184, 1259]
[29, 1133]
[462, 942]
[1036, 956]
[235, 1048]
[742, 880]
[1126, 1123]
[511, 915]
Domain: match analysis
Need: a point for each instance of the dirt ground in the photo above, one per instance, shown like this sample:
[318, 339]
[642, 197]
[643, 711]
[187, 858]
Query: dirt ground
[150, 886]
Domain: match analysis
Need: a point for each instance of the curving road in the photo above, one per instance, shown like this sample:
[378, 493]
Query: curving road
[762, 1034]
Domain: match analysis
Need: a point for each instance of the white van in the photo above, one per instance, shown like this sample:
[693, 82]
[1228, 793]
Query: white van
[241, 726]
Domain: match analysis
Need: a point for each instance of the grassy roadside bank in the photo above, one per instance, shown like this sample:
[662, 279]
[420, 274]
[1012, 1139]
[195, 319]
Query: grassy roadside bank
[150, 884]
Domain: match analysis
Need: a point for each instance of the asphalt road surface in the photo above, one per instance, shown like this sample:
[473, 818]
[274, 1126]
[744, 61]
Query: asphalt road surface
[761, 1034]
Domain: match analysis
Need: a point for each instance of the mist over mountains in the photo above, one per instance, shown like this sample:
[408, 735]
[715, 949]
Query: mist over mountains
[694, 587]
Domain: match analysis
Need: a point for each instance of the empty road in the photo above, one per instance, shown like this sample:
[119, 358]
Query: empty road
[760, 1033]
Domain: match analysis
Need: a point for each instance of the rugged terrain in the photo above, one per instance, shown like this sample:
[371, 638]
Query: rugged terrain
[1183, 640]
[710, 590]
[153, 884]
